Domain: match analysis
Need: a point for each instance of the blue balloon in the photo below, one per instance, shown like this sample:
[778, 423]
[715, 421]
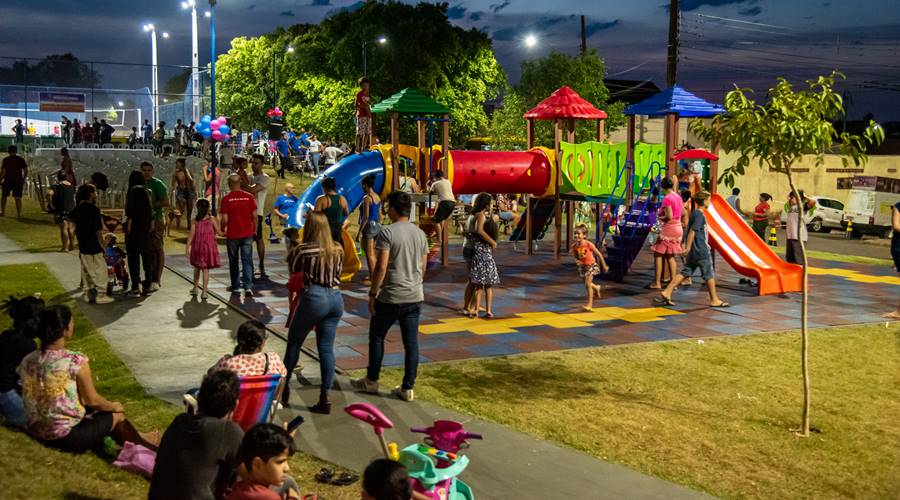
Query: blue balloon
[224, 129]
[205, 119]
[206, 133]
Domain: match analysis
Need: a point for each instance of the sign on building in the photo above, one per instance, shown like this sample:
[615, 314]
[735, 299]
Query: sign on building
[62, 102]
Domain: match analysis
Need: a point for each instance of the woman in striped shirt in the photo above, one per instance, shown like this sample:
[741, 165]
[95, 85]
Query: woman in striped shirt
[321, 305]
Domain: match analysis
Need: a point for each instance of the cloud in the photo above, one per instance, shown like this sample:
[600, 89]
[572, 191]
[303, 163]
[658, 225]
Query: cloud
[251, 7]
[688, 5]
[752, 11]
[475, 16]
[349, 8]
[456, 12]
[497, 7]
[320, 3]
[592, 28]
[286, 13]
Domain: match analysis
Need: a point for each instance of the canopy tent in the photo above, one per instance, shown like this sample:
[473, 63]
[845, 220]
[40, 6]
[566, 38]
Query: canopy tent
[565, 103]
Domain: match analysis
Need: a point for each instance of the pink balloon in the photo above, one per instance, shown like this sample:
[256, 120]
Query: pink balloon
[216, 135]
[222, 120]
[214, 125]
[227, 137]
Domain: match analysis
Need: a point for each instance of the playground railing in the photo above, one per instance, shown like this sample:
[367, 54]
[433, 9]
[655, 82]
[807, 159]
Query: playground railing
[654, 181]
[628, 166]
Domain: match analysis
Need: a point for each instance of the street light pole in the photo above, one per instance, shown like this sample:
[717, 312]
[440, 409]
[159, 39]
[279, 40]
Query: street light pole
[382, 40]
[195, 62]
[154, 81]
[212, 98]
[365, 70]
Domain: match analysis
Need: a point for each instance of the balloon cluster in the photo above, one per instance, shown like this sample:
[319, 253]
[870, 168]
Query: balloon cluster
[217, 129]
[273, 112]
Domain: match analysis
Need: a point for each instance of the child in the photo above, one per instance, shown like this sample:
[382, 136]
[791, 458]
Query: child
[584, 252]
[295, 283]
[386, 479]
[264, 455]
[698, 256]
[483, 270]
[89, 233]
[201, 248]
[115, 264]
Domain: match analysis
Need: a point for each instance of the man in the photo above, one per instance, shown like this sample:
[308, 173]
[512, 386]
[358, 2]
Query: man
[259, 187]
[95, 128]
[159, 138]
[331, 154]
[237, 218]
[146, 132]
[89, 233]
[285, 206]
[13, 172]
[158, 200]
[19, 130]
[396, 294]
[226, 156]
[734, 201]
[179, 137]
[795, 230]
[284, 155]
[199, 454]
[106, 132]
[64, 125]
[363, 116]
[446, 202]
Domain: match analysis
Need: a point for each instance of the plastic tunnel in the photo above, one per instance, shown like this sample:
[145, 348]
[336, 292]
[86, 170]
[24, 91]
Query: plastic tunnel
[472, 172]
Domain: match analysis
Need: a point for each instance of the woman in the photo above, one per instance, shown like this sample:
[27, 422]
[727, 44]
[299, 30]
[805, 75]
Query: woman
[482, 267]
[668, 245]
[761, 214]
[209, 182]
[66, 166]
[185, 193]
[64, 409]
[335, 208]
[138, 226]
[248, 359]
[369, 223]
[321, 304]
[895, 252]
[16, 343]
[61, 201]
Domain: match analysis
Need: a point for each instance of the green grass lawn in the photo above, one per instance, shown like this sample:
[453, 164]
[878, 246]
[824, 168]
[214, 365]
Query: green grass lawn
[712, 415]
[33, 471]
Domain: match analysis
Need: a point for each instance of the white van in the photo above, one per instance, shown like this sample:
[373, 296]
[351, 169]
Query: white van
[870, 212]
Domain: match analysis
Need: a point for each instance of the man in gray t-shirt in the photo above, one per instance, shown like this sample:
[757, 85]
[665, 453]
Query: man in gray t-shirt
[396, 294]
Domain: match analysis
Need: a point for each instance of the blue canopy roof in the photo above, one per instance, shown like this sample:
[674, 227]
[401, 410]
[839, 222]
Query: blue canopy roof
[675, 100]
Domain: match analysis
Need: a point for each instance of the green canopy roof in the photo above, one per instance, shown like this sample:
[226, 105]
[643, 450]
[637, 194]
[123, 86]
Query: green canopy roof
[410, 101]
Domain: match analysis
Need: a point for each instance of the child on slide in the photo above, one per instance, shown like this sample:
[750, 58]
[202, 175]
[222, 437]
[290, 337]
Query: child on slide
[584, 252]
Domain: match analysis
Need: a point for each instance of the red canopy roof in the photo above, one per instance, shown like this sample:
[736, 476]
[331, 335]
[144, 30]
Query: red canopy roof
[565, 103]
[694, 154]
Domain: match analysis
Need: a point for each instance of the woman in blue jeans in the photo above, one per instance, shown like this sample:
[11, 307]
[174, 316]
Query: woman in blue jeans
[321, 305]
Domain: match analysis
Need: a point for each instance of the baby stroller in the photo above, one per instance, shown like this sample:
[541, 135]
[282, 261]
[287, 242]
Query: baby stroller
[116, 268]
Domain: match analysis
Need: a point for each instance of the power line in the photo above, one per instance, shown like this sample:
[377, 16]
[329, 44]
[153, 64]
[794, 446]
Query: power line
[742, 21]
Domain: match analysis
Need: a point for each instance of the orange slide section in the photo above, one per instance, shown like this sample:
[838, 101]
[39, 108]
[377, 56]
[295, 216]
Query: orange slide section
[747, 254]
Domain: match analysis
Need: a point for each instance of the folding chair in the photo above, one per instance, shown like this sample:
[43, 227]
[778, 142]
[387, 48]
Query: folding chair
[257, 400]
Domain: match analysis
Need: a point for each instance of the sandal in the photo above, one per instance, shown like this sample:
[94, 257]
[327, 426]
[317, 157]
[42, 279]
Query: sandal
[650, 286]
[345, 479]
[722, 304]
[324, 475]
[489, 315]
[663, 301]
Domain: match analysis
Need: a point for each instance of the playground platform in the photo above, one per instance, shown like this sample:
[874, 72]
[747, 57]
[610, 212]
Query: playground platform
[538, 307]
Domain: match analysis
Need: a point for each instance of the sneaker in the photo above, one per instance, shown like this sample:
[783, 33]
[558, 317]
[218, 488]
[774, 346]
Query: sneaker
[233, 289]
[134, 292]
[263, 276]
[247, 292]
[204, 295]
[364, 385]
[193, 292]
[404, 394]
[104, 299]
[86, 296]
[154, 287]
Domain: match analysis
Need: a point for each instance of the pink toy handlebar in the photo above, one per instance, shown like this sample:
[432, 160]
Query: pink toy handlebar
[370, 415]
[426, 430]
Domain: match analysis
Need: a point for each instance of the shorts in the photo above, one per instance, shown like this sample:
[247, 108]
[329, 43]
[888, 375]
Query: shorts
[60, 218]
[371, 230]
[259, 224]
[87, 435]
[588, 269]
[506, 215]
[363, 126]
[691, 264]
[156, 237]
[185, 196]
[444, 210]
[15, 188]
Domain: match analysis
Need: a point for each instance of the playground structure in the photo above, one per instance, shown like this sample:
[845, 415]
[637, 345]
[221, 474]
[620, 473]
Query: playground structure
[621, 179]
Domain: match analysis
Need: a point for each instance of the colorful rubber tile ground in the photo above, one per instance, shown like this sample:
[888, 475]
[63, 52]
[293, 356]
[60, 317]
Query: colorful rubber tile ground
[538, 307]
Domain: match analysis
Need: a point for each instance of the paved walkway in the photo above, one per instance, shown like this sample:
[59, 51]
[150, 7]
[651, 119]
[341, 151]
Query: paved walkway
[168, 341]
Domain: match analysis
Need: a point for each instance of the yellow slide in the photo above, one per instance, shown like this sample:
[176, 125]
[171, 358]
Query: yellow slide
[352, 263]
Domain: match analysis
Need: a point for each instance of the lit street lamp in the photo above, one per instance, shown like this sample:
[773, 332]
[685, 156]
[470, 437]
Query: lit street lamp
[150, 28]
[195, 64]
[381, 41]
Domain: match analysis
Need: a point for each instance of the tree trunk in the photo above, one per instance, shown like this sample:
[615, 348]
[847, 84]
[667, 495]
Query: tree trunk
[804, 309]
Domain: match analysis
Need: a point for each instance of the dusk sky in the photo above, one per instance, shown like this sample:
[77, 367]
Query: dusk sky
[749, 42]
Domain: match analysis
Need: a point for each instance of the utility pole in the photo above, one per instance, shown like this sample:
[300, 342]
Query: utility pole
[672, 59]
[583, 38]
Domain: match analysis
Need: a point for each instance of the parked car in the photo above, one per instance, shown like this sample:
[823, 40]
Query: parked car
[870, 212]
[827, 215]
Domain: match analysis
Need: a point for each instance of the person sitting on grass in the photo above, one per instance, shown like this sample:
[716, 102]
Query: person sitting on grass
[63, 408]
[248, 359]
[16, 343]
[584, 251]
[264, 454]
[698, 256]
[199, 453]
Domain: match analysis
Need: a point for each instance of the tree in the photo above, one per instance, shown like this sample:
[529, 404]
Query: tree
[507, 125]
[541, 77]
[244, 80]
[56, 70]
[778, 133]
[325, 102]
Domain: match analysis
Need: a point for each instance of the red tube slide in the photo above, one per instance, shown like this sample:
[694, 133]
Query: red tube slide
[500, 172]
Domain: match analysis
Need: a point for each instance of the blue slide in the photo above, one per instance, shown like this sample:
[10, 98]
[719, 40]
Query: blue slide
[348, 174]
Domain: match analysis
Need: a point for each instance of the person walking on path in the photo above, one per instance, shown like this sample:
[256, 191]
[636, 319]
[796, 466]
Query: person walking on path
[795, 230]
[61, 202]
[321, 304]
[335, 207]
[369, 223]
[363, 116]
[185, 192]
[146, 132]
[668, 244]
[895, 252]
[237, 218]
[13, 174]
[396, 294]
[201, 248]
[259, 187]
[138, 234]
[698, 256]
[283, 148]
[761, 216]
[159, 198]
[89, 232]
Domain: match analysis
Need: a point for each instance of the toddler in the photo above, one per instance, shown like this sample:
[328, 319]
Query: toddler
[584, 251]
